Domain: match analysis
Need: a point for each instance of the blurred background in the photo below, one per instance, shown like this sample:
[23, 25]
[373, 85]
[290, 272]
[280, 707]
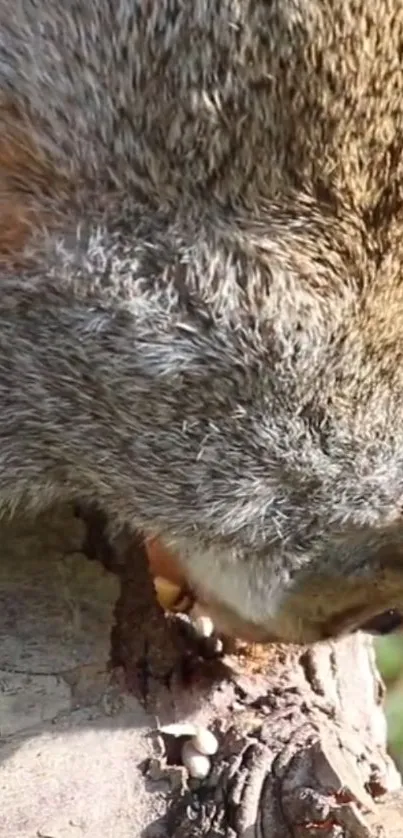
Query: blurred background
[390, 662]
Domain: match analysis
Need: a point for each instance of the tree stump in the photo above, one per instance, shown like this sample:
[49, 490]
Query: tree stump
[302, 735]
[302, 732]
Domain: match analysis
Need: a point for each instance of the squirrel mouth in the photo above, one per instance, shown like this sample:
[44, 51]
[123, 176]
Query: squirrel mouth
[385, 623]
[380, 624]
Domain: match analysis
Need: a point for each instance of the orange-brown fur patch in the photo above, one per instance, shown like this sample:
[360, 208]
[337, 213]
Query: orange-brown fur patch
[27, 181]
[17, 223]
[164, 563]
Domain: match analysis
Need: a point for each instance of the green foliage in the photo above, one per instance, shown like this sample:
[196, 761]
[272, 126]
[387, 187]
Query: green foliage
[390, 661]
[390, 657]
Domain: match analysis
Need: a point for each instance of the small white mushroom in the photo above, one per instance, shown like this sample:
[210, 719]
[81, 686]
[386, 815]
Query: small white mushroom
[205, 742]
[197, 764]
[203, 625]
[218, 646]
[178, 729]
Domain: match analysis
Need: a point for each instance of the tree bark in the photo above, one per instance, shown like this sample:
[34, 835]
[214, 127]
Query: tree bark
[302, 734]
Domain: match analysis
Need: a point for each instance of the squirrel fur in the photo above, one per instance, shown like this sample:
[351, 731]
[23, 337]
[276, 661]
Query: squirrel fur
[201, 307]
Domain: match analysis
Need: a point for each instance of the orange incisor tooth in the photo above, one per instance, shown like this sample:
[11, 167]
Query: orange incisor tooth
[170, 596]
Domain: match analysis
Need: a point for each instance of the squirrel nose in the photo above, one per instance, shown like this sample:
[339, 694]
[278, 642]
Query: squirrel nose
[385, 623]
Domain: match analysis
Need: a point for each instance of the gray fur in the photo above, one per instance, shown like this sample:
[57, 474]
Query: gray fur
[205, 336]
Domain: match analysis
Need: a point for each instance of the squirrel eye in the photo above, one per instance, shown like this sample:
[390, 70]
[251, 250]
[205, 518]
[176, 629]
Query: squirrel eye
[384, 623]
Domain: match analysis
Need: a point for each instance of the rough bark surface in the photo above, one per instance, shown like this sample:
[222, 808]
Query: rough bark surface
[83, 647]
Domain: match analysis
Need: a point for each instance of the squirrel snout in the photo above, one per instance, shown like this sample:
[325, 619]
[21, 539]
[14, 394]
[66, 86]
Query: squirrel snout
[308, 617]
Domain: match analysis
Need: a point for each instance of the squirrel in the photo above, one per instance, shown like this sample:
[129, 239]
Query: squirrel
[201, 307]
